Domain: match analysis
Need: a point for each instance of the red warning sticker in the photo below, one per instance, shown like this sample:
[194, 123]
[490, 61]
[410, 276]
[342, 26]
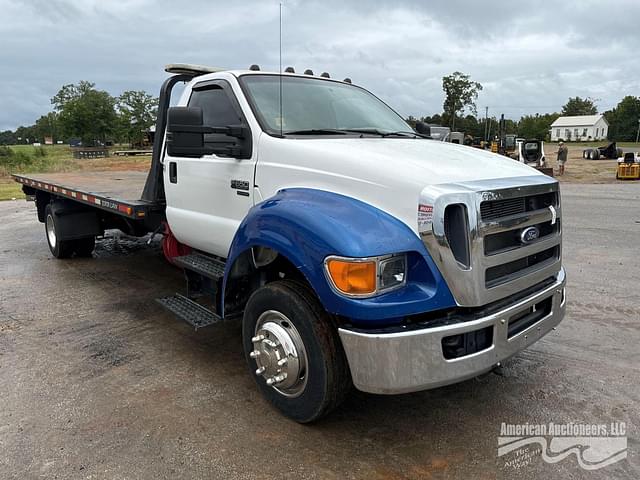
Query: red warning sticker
[425, 216]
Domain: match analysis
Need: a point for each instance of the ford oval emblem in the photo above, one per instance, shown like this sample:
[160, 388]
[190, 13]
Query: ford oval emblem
[529, 234]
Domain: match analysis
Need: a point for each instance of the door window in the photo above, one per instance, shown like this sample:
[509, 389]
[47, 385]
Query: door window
[218, 110]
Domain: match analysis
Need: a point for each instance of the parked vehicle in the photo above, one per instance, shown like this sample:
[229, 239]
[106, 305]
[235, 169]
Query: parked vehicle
[610, 152]
[628, 167]
[354, 250]
[531, 152]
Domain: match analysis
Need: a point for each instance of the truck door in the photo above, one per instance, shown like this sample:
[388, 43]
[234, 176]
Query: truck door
[208, 197]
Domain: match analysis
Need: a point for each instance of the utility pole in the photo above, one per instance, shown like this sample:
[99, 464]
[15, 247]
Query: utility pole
[638, 134]
[501, 133]
[486, 124]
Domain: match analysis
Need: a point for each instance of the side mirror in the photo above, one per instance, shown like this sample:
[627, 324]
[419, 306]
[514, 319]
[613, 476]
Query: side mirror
[423, 129]
[185, 136]
[182, 141]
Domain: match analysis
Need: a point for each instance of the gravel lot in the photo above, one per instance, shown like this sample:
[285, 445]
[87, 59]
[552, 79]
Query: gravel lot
[96, 381]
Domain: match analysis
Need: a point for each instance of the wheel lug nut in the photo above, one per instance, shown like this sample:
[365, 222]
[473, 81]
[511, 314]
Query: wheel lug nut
[271, 381]
[260, 370]
[255, 354]
[282, 361]
[257, 338]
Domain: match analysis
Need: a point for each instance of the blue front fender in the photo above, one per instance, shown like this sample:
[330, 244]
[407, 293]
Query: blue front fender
[306, 226]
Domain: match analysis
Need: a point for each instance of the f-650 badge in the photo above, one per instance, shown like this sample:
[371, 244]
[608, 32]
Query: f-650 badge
[240, 184]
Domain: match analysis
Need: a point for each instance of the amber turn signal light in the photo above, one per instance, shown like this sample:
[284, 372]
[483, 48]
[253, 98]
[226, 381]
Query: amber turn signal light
[353, 278]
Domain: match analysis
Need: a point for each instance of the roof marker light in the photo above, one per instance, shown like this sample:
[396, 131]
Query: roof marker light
[254, 68]
[347, 80]
[308, 71]
[325, 75]
[289, 70]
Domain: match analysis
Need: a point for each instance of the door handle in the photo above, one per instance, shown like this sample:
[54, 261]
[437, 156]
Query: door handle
[173, 172]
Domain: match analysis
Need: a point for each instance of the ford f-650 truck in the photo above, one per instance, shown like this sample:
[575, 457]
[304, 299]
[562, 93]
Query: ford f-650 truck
[354, 250]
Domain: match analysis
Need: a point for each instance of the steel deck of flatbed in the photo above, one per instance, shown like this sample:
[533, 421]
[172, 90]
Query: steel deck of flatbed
[117, 192]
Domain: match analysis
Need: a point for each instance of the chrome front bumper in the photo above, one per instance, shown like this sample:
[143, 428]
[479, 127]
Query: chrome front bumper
[410, 361]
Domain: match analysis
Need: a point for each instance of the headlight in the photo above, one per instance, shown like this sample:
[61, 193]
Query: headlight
[392, 272]
[365, 277]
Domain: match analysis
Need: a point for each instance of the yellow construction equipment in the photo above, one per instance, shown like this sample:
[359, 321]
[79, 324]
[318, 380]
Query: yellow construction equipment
[628, 167]
[628, 171]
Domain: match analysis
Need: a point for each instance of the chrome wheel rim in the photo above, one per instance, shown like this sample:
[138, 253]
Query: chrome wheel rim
[279, 353]
[51, 231]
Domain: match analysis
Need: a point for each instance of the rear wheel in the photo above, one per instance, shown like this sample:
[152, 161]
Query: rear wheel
[596, 154]
[293, 351]
[59, 248]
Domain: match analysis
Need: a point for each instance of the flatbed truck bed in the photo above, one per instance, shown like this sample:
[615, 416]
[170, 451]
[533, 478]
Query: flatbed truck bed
[117, 192]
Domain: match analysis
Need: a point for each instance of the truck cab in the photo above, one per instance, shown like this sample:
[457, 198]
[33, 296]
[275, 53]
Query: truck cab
[354, 250]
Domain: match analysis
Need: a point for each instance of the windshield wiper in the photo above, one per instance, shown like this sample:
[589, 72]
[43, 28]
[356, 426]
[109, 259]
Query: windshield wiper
[405, 134]
[382, 133]
[346, 131]
[317, 131]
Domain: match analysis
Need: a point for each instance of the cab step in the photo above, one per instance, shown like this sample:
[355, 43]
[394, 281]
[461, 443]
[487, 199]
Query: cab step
[191, 312]
[206, 266]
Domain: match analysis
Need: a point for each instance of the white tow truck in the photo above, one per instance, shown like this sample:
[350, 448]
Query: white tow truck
[354, 250]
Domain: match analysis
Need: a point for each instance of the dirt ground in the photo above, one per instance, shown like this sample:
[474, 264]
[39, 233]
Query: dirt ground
[579, 170]
[96, 381]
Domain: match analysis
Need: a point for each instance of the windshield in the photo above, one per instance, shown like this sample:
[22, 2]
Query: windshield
[315, 105]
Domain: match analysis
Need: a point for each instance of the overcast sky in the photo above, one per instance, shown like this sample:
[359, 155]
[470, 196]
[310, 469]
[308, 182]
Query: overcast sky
[529, 56]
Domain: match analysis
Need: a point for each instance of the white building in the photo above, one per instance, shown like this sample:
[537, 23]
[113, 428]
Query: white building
[579, 128]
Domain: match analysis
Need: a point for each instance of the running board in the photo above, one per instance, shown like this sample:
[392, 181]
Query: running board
[206, 266]
[191, 312]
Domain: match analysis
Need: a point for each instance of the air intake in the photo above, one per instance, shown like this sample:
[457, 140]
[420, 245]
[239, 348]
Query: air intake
[457, 233]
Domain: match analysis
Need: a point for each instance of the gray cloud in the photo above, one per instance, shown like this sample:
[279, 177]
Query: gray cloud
[529, 57]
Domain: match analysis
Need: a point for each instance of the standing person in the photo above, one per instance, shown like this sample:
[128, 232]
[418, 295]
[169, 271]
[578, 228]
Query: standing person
[562, 157]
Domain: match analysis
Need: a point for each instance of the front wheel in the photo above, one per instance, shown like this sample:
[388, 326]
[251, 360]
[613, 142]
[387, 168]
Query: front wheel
[294, 352]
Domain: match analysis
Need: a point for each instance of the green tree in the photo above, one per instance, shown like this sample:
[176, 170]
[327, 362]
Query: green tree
[623, 119]
[8, 137]
[460, 92]
[26, 134]
[536, 126]
[71, 92]
[137, 112]
[579, 106]
[47, 126]
[85, 112]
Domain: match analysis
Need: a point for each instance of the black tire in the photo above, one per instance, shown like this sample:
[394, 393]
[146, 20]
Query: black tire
[619, 152]
[327, 377]
[589, 154]
[584, 153]
[59, 248]
[596, 154]
[83, 247]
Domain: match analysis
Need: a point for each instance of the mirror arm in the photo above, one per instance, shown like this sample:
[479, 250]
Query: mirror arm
[237, 131]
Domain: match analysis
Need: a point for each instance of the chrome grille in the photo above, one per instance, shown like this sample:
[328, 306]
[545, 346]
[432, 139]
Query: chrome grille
[492, 209]
[499, 262]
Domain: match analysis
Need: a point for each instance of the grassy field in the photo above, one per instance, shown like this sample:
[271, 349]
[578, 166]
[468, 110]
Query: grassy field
[10, 190]
[55, 158]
